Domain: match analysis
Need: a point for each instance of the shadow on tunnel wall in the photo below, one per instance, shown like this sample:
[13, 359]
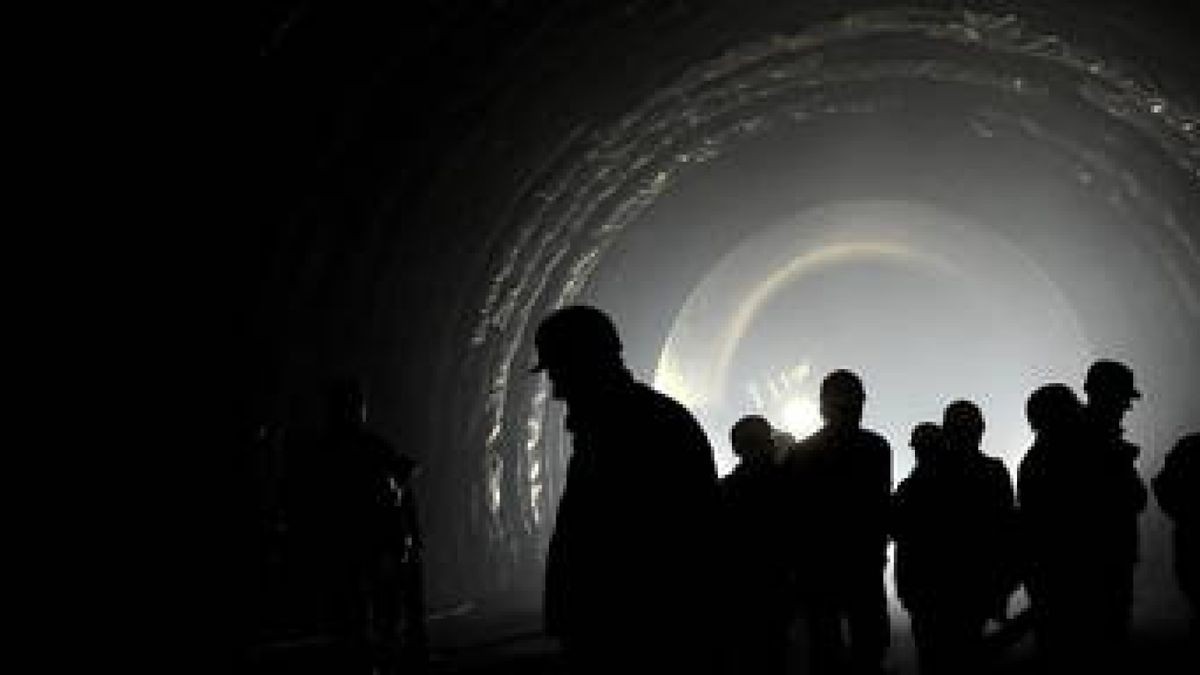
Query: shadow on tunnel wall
[432, 183]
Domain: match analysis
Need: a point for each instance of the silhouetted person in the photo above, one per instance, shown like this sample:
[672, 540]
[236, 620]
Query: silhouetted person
[369, 528]
[1120, 496]
[977, 495]
[995, 522]
[1177, 488]
[1080, 499]
[840, 482]
[757, 608]
[919, 529]
[629, 570]
[1055, 415]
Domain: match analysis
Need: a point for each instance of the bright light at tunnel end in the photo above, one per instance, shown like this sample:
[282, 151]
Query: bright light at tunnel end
[800, 417]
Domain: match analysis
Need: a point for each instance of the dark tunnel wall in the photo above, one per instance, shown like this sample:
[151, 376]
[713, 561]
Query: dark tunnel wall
[409, 153]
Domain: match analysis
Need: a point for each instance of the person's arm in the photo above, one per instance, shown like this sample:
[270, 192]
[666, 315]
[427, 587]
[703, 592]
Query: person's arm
[881, 489]
[556, 594]
[1137, 493]
[1008, 549]
[898, 513]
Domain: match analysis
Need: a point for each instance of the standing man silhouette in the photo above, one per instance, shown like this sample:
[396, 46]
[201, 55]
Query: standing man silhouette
[370, 536]
[980, 495]
[841, 479]
[757, 609]
[1047, 516]
[629, 566]
[1119, 496]
[918, 525]
[1080, 500]
[1177, 487]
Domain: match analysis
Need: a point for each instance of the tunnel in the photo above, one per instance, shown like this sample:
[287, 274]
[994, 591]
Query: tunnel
[954, 199]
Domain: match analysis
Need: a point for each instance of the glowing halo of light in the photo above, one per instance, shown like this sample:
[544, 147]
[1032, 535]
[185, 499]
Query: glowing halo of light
[667, 376]
[916, 238]
[704, 385]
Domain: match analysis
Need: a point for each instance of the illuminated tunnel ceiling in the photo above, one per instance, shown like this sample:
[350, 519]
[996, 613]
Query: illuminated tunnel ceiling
[724, 177]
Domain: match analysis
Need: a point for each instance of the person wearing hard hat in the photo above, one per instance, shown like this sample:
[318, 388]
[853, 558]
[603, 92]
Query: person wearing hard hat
[629, 558]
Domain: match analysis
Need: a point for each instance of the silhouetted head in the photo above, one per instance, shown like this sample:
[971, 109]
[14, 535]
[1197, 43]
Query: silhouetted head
[927, 442]
[1184, 460]
[1188, 445]
[1051, 408]
[753, 438]
[1109, 388]
[962, 424]
[345, 402]
[783, 440]
[577, 347]
[842, 397]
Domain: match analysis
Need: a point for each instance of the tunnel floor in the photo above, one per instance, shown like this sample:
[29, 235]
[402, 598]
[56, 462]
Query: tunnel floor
[501, 643]
[469, 638]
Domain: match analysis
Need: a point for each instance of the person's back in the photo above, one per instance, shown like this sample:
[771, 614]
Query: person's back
[639, 497]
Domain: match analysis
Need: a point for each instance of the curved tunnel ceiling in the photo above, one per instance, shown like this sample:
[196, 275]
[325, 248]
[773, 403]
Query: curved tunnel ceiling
[1018, 153]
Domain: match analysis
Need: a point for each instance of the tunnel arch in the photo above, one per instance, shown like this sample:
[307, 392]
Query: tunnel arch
[552, 173]
[1000, 75]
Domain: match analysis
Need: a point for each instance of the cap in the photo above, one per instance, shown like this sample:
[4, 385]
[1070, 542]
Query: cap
[1110, 376]
[577, 334]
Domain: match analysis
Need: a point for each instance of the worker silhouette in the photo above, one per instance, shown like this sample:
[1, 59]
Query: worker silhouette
[839, 479]
[757, 610]
[1119, 496]
[922, 524]
[1080, 497]
[629, 578]
[1055, 416]
[977, 492]
[371, 540]
[1177, 489]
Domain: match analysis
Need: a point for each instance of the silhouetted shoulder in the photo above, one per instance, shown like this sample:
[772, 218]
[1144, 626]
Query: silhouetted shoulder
[663, 405]
[874, 439]
[1177, 484]
[668, 416]
[995, 468]
[874, 444]
[663, 409]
